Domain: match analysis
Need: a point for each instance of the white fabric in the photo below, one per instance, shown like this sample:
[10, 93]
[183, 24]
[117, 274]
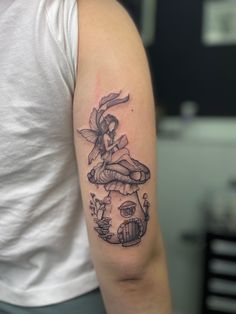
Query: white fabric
[44, 250]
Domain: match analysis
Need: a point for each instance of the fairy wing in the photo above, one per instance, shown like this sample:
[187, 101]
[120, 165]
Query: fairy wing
[94, 153]
[88, 134]
[93, 120]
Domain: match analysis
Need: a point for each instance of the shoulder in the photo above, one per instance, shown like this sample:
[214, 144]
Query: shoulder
[106, 137]
[100, 6]
[103, 13]
[105, 28]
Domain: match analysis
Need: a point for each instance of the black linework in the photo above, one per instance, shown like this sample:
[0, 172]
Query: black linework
[119, 174]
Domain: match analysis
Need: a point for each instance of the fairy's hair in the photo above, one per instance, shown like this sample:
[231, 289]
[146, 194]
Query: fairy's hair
[107, 120]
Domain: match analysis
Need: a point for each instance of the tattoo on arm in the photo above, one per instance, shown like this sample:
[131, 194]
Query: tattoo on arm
[120, 217]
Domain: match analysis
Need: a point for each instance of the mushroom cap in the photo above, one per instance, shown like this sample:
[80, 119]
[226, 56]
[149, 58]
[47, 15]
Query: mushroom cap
[120, 176]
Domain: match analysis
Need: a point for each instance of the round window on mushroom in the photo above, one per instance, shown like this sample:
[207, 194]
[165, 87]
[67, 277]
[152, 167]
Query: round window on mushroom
[127, 209]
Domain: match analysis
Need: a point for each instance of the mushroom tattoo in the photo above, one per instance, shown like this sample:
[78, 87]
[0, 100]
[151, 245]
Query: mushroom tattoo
[119, 217]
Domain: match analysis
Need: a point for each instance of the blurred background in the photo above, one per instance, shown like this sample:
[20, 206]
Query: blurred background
[191, 47]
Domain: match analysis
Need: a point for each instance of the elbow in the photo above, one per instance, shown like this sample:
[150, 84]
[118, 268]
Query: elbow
[139, 267]
[132, 270]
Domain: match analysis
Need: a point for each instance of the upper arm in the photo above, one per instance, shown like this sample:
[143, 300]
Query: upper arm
[112, 60]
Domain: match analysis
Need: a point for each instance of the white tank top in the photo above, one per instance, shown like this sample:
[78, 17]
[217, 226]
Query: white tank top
[44, 251]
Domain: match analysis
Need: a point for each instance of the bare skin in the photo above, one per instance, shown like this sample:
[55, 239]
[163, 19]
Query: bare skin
[112, 64]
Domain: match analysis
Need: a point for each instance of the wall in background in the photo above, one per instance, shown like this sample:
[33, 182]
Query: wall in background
[184, 69]
[193, 160]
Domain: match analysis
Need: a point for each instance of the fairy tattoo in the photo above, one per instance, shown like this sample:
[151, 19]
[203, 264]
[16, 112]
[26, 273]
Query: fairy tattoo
[119, 217]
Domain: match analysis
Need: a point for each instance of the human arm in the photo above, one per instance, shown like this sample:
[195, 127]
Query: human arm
[133, 279]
